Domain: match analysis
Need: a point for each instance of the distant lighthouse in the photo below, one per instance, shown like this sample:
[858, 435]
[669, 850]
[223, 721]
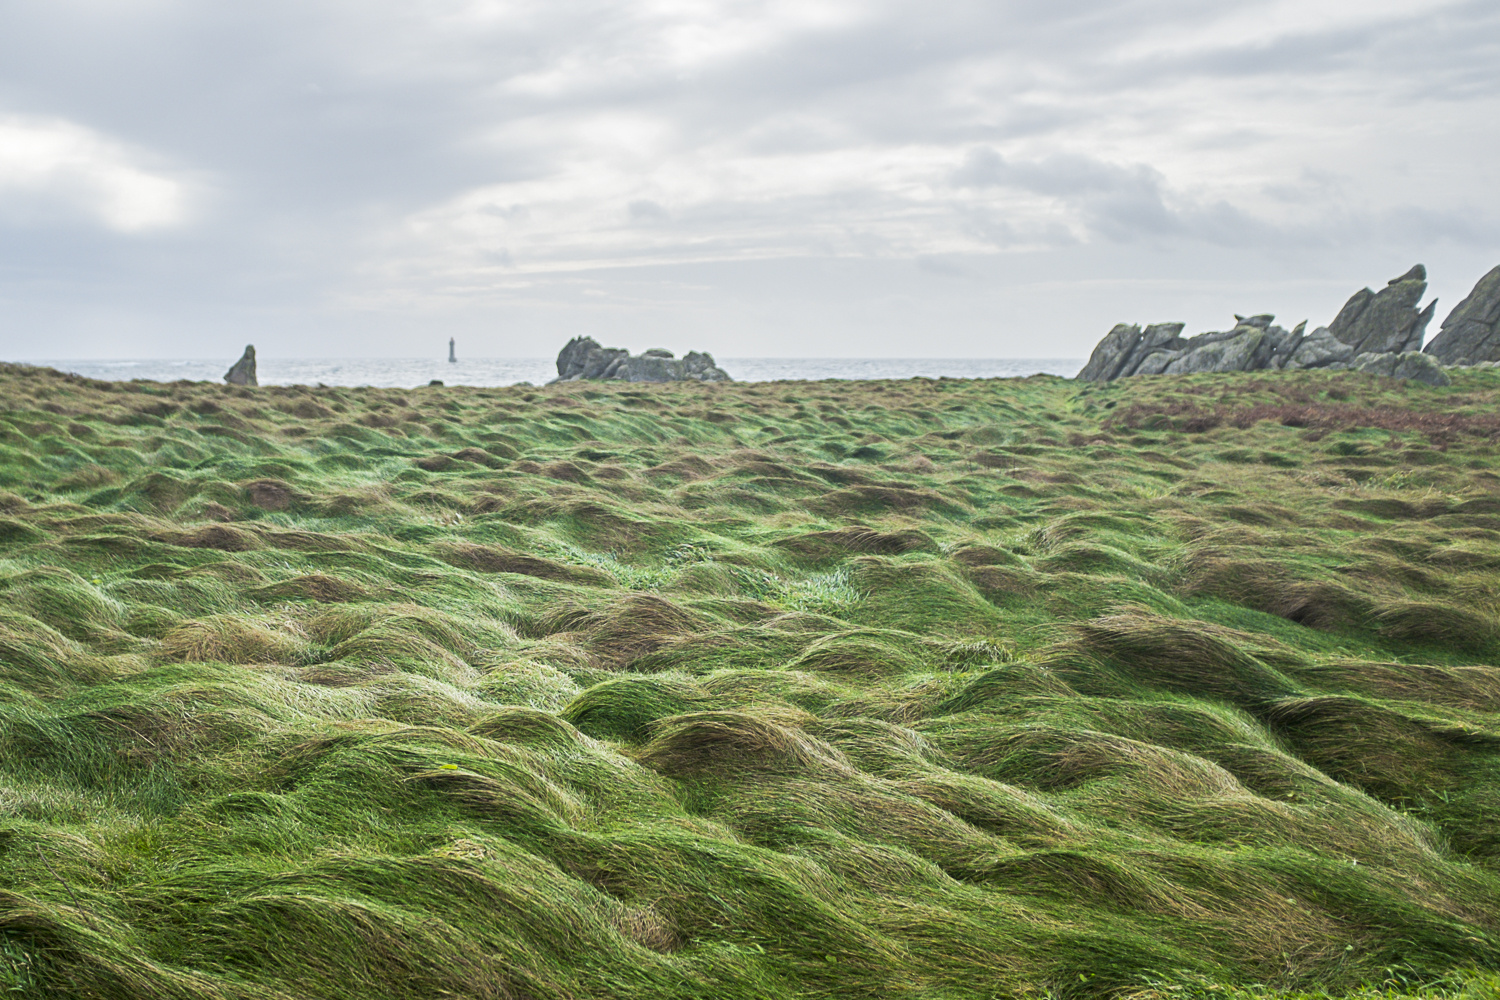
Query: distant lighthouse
[452, 355]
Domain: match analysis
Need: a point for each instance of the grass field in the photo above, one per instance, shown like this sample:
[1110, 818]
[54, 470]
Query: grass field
[1166, 688]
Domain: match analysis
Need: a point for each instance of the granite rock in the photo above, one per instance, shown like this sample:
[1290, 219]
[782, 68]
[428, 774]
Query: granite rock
[582, 358]
[1413, 365]
[1471, 333]
[1225, 354]
[1276, 346]
[1320, 349]
[1375, 331]
[1387, 321]
[1126, 348]
[1253, 343]
[243, 370]
[1111, 353]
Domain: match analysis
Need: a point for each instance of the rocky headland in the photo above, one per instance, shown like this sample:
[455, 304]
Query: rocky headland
[583, 358]
[1378, 332]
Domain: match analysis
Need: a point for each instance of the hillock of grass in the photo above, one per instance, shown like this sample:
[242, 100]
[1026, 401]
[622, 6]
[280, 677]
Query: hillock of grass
[1170, 687]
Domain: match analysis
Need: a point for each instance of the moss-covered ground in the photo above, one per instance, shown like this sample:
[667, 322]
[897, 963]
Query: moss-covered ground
[931, 689]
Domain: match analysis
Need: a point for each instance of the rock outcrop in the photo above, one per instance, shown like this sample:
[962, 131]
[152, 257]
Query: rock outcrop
[1375, 331]
[1409, 364]
[1387, 321]
[583, 358]
[1320, 349]
[243, 372]
[1253, 343]
[1471, 333]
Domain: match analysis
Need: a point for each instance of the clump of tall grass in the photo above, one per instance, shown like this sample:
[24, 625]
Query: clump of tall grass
[832, 593]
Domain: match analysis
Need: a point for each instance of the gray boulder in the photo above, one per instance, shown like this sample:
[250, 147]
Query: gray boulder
[1111, 353]
[1155, 364]
[1377, 363]
[1413, 365]
[1222, 354]
[1276, 347]
[1387, 321]
[1159, 343]
[700, 365]
[570, 359]
[1254, 343]
[1126, 348]
[1420, 367]
[243, 370]
[1320, 349]
[583, 358]
[1471, 333]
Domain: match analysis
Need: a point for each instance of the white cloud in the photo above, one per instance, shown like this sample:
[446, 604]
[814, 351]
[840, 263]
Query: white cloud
[49, 165]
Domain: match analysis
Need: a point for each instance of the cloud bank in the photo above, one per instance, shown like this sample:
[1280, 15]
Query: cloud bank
[818, 177]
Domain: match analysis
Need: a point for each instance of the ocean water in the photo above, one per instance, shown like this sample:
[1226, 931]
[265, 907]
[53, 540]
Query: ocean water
[395, 372]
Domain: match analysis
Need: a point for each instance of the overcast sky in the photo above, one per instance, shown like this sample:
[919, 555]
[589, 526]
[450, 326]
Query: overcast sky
[898, 178]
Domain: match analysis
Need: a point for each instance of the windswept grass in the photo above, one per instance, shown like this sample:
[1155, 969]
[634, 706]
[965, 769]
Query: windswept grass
[1168, 688]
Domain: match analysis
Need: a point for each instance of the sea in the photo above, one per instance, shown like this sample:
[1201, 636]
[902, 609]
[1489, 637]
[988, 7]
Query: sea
[407, 372]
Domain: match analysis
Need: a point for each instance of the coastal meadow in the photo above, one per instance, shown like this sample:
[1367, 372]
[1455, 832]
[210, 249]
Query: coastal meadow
[1167, 687]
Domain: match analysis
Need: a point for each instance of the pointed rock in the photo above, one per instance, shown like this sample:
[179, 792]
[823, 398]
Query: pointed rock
[1320, 349]
[1471, 333]
[1111, 353]
[1417, 273]
[243, 372]
[1386, 321]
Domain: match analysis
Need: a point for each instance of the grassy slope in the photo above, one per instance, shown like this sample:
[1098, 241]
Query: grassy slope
[907, 689]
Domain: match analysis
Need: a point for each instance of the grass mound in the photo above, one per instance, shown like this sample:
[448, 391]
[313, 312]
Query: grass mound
[1183, 657]
[1177, 687]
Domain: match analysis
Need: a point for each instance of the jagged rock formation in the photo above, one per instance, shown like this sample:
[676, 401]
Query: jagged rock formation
[1471, 333]
[583, 358]
[1387, 321]
[243, 371]
[1375, 331]
[1160, 350]
[1320, 349]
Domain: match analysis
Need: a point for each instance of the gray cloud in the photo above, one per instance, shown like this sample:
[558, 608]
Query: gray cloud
[352, 173]
[1110, 201]
[646, 210]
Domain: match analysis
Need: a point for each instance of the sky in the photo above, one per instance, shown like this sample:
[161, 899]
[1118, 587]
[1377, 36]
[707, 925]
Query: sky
[754, 178]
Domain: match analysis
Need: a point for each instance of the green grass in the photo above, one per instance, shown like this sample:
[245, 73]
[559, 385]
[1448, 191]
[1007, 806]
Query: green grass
[1168, 688]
